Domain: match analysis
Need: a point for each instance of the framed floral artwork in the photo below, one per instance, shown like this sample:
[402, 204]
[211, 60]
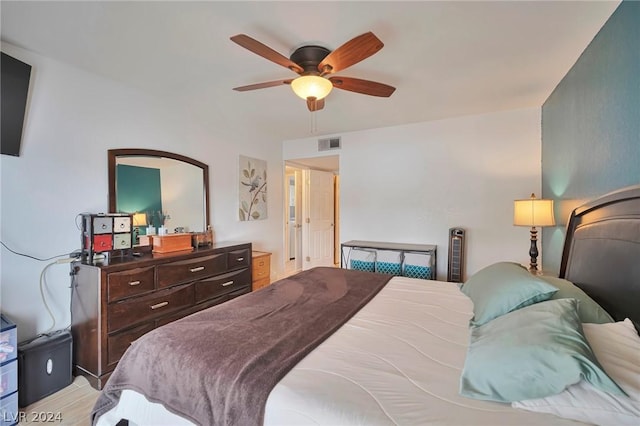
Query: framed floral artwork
[252, 189]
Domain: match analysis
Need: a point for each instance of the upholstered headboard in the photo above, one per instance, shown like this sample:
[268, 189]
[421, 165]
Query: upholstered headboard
[602, 252]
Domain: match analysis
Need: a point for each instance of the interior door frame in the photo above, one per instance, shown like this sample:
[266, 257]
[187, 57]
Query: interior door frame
[302, 194]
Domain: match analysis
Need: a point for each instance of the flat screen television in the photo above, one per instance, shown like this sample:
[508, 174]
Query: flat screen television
[14, 80]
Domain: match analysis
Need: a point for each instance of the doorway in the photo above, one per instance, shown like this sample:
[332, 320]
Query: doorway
[311, 230]
[293, 220]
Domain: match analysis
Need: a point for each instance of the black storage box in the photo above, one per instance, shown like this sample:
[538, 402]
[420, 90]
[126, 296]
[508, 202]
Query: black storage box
[44, 367]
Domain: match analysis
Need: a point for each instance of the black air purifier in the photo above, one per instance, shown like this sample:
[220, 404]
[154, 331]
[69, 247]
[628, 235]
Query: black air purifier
[44, 367]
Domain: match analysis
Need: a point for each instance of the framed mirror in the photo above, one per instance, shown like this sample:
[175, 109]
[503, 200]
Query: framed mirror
[160, 188]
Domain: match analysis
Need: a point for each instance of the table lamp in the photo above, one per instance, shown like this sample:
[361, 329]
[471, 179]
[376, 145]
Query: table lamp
[533, 212]
[139, 221]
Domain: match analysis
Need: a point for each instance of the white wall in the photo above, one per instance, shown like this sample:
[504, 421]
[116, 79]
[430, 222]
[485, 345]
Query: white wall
[405, 184]
[410, 184]
[73, 118]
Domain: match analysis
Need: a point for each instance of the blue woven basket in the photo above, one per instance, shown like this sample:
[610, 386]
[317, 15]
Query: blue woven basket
[416, 271]
[362, 265]
[388, 268]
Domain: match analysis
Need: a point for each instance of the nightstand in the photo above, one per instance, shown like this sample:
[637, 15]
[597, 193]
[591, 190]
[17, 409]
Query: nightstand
[260, 269]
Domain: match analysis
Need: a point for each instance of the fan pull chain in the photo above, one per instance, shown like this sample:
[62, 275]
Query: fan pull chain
[313, 123]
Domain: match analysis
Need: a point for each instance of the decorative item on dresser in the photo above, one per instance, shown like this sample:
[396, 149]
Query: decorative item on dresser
[106, 233]
[261, 269]
[119, 300]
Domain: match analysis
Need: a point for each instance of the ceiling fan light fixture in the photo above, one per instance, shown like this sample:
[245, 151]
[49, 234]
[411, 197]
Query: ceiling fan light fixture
[311, 86]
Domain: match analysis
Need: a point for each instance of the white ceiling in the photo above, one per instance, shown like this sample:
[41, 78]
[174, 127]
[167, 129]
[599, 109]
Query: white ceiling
[446, 59]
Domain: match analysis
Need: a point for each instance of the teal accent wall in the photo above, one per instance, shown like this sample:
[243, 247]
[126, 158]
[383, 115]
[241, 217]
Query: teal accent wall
[591, 125]
[138, 190]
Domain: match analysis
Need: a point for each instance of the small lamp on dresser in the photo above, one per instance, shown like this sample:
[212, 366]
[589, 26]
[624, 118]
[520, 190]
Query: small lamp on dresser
[533, 212]
[139, 221]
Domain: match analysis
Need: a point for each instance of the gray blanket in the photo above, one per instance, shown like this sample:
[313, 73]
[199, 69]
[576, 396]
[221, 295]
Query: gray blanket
[218, 366]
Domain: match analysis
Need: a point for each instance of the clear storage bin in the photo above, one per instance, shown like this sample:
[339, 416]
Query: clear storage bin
[362, 260]
[8, 340]
[418, 265]
[389, 262]
[9, 410]
[8, 377]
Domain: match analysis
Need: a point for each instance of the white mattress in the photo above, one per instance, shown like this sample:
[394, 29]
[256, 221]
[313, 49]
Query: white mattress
[396, 362]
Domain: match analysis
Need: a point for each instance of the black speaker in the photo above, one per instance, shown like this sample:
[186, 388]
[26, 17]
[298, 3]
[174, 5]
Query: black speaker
[44, 366]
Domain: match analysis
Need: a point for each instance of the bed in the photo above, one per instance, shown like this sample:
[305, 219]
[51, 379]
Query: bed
[402, 351]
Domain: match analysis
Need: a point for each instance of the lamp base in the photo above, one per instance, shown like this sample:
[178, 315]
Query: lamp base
[535, 271]
[533, 251]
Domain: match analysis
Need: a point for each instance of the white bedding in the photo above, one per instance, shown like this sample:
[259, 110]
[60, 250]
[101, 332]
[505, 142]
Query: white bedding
[396, 362]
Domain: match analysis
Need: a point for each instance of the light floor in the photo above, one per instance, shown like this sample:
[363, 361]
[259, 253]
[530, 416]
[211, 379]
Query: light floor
[70, 406]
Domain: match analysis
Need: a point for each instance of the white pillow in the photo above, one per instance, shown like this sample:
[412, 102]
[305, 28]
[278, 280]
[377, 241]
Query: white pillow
[617, 348]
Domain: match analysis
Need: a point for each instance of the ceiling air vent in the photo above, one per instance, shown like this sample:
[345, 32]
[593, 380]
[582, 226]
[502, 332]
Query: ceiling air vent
[328, 144]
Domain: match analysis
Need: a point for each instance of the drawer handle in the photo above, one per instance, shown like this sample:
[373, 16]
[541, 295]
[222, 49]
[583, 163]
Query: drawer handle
[198, 269]
[159, 305]
[134, 283]
[240, 259]
[227, 283]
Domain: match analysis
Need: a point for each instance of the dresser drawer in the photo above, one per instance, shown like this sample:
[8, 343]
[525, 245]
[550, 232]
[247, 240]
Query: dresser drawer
[118, 343]
[102, 225]
[221, 284]
[122, 241]
[239, 292]
[258, 284]
[239, 258]
[102, 242]
[129, 283]
[191, 269]
[140, 309]
[174, 317]
[122, 224]
[260, 267]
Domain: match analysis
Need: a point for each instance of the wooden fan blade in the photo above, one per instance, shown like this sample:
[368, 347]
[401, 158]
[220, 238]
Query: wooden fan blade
[266, 52]
[350, 53]
[365, 87]
[315, 104]
[262, 85]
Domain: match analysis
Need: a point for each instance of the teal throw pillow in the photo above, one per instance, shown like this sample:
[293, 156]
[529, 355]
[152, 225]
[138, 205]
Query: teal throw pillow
[533, 352]
[588, 309]
[504, 287]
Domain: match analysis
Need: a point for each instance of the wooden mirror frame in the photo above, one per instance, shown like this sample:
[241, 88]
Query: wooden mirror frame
[130, 152]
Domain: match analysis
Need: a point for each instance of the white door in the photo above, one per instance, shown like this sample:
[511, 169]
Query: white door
[319, 215]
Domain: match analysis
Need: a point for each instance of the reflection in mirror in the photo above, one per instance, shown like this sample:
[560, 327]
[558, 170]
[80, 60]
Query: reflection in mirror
[292, 217]
[293, 220]
[161, 189]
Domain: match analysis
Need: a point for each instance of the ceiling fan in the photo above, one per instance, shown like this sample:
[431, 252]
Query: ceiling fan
[315, 63]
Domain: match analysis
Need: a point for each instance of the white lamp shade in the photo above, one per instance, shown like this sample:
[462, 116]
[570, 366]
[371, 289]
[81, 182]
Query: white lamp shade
[533, 212]
[139, 219]
[311, 86]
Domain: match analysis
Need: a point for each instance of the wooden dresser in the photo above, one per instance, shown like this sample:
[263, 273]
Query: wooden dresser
[115, 302]
[261, 268]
